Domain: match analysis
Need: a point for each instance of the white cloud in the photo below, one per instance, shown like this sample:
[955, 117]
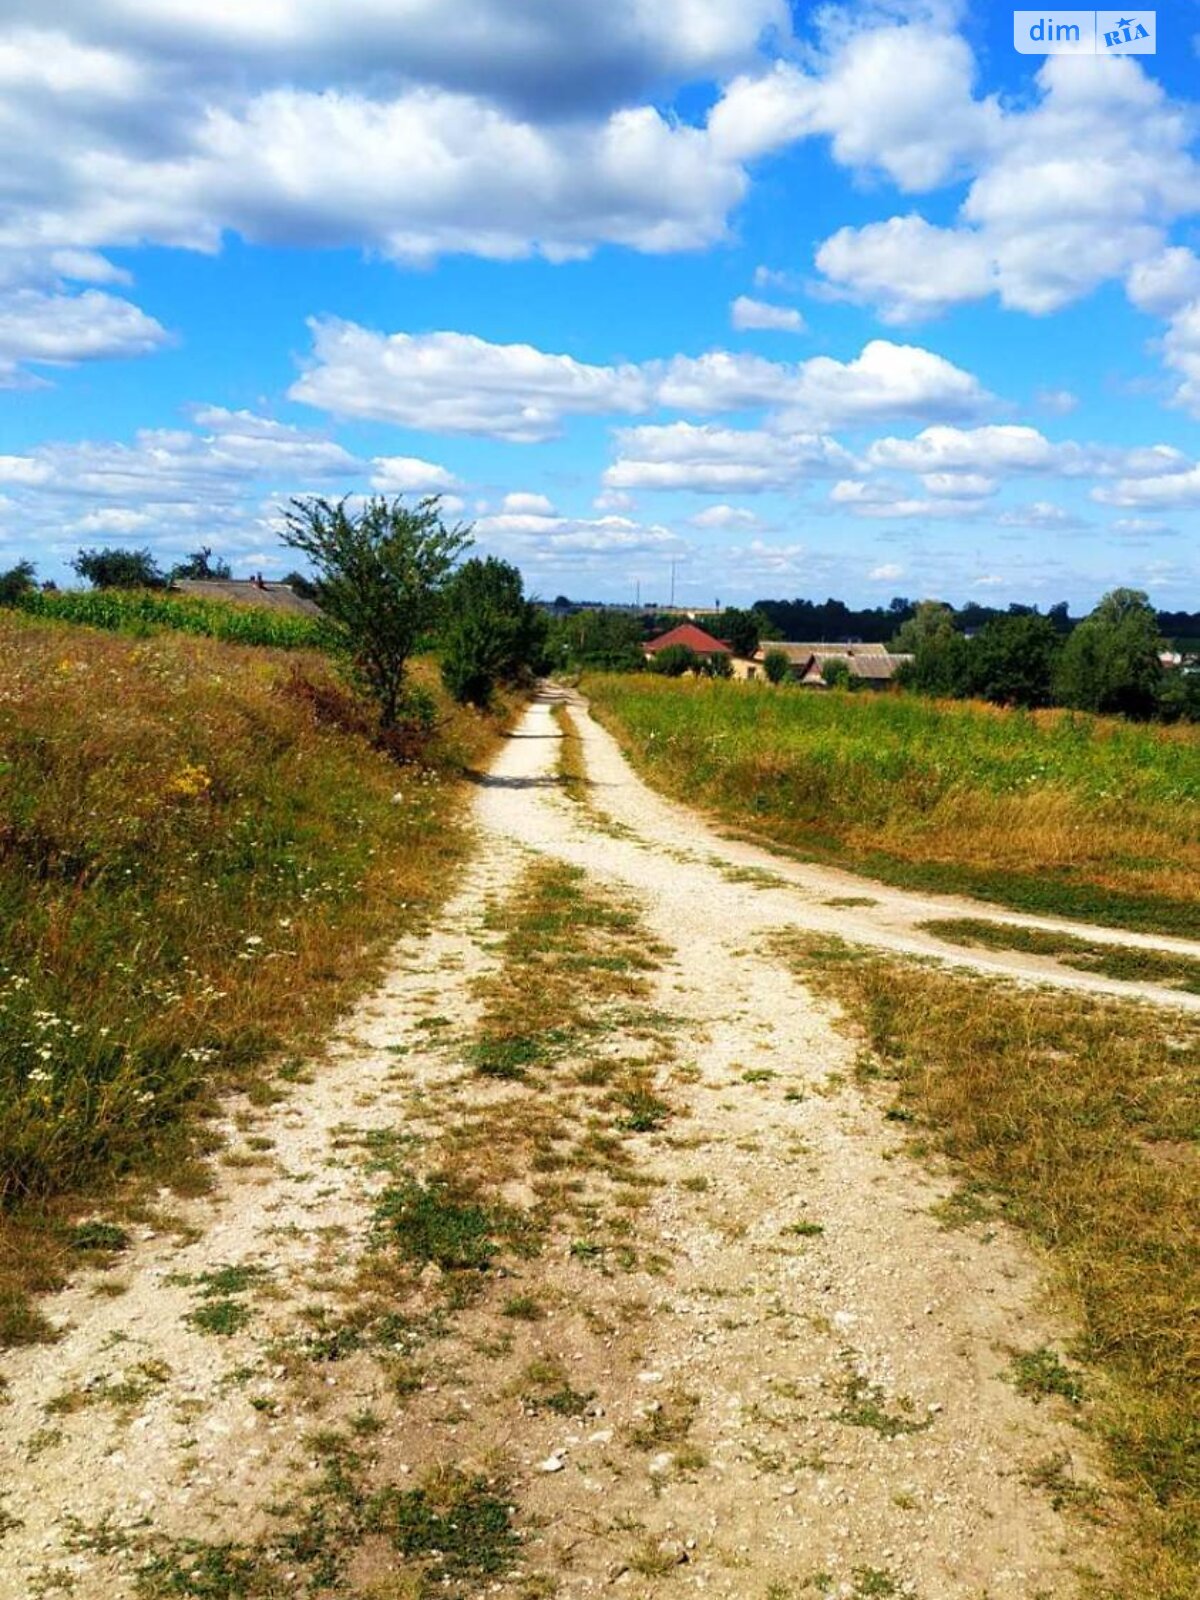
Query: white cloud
[533, 533]
[1040, 515]
[874, 100]
[888, 573]
[537, 504]
[724, 517]
[747, 315]
[63, 329]
[459, 383]
[1165, 282]
[715, 460]
[1173, 489]
[906, 267]
[1003, 449]
[882, 501]
[1059, 402]
[1142, 528]
[1067, 194]
[410, 475]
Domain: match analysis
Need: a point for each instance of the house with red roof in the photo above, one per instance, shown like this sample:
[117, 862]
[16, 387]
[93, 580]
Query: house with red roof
[691, 638]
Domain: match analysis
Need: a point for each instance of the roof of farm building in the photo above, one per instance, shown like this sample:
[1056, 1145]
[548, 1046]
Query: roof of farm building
[692, 638]
[249, 592]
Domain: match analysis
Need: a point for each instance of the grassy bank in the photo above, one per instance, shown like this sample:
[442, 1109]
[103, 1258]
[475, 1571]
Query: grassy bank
[201, 860]
[1049, 812]
[145, 611]
[1076, 1120]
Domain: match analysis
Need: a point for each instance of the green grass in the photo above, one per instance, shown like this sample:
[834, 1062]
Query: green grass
[1048, 812]
[1075, 1119]
[147, 611]
[202, 860]
[1127, 964]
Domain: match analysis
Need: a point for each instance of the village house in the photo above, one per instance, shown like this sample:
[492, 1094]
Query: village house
[256, 591]
[691, 638]
[873, 665]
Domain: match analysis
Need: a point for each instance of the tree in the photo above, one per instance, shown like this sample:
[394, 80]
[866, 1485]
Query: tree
[1012, 660]
[200, 564]
[604, 641]
[717, 666]
[743, 630]
[491, 633]
[931, 619]
[16, 581]
[777, 665]
[119, 569]
[942, 665]
[675, 660]
[300, 583]
[1111, 662]
[382, 570]
[836, 673]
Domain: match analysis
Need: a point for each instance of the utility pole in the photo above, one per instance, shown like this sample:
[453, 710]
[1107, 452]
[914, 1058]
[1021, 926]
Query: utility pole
[674, 564]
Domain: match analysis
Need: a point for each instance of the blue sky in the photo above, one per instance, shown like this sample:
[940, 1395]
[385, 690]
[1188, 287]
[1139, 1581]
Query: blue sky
[846, 299]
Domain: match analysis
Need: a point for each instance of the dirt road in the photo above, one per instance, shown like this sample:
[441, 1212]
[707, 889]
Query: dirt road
[751, 1362]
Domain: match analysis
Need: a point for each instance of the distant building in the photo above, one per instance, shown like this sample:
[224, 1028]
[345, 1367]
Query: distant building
[254, 591]
[692, 638]
[872, 664]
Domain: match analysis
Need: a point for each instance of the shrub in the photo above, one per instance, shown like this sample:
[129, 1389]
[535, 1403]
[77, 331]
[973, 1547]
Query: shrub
[119, 569]
[491, 633]
[674, 661]
[777, 665]
[382, 573]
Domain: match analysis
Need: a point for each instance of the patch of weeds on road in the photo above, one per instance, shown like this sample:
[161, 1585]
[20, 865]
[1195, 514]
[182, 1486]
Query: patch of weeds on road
[664, 1422]
[1042, 1372]
[804, 1230]
[221, 1311]
[865, 1405]
[437, 1221]
[572, 763]
[873, 1581]
[1055, 1476]
[849, 900]
[101, 1238]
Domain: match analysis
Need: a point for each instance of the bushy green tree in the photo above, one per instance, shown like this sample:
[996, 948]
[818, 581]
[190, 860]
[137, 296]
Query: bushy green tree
[382, 571]
[674, 661]
[1178, 697]
[1012, 660]
[490, 632]
[16, 581]
[717, 666]
[1111, 662]
[119, 569]
[742, 631]
[604, 641]
[836, 673]
[932, 620]
[777, 665]
[942, 665]
[200, 564]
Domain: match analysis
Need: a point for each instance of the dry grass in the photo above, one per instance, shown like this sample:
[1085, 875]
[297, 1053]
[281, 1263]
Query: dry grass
[1127, 963]
[1077, 1121]
[1052, 812]
[203, 861]
[572, 764]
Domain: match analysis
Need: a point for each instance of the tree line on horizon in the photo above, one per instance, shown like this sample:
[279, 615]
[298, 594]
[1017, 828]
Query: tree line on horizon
[392, 579]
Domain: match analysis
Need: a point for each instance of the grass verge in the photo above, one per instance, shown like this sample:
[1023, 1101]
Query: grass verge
[203, 860]
[1053, 813]
[1077, 1121]
[572, 764]
[1113, 961]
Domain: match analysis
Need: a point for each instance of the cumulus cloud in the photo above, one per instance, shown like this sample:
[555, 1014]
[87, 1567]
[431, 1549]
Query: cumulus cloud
[1181, 488]
[50, 329]
[410, 475]
[723, 517]
[534, 504]
[747, 315]
[226, 477]
[715, 460]
[1004, 449]
[527, 534]
[1068, 193]
[459, 383]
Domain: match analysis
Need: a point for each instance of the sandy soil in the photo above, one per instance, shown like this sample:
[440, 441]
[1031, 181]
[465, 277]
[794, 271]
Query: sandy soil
[842, 1358]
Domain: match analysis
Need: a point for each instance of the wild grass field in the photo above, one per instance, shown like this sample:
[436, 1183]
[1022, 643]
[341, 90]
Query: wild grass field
[201, 858]
[1050, 812]
[1075, 1120]
[145, 611]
